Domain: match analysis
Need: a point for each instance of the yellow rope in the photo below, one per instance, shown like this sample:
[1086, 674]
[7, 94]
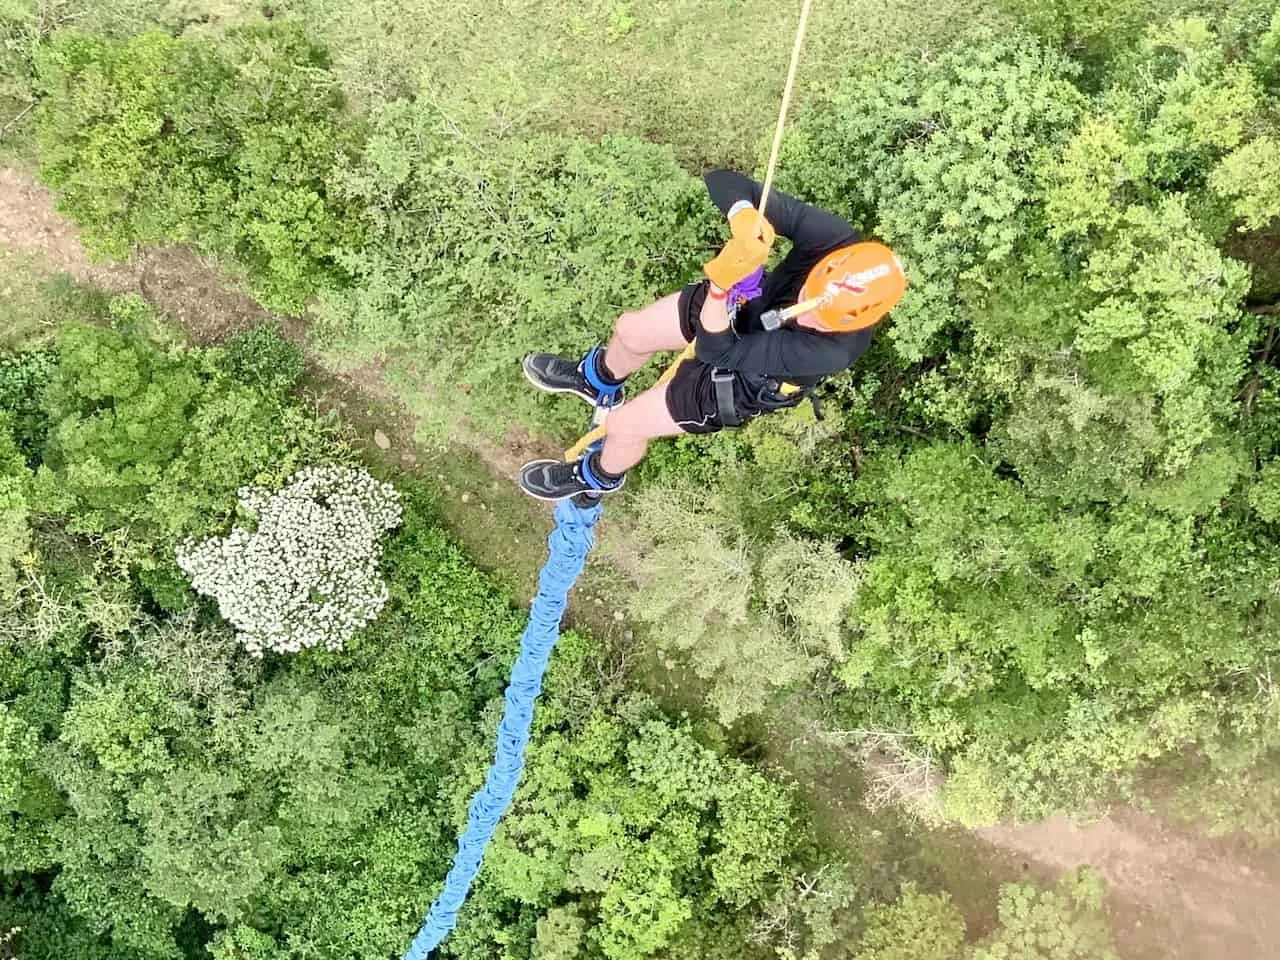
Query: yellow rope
[598, 432]
[579, 448]
[782, 112]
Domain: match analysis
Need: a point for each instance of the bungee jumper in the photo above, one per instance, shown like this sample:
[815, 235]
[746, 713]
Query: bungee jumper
[754, 341]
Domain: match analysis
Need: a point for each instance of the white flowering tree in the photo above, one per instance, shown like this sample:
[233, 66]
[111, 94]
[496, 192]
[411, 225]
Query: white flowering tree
[307, 576]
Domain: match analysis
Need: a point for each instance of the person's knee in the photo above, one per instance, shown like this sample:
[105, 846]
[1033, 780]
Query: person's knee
[630, 330]
[631, 423]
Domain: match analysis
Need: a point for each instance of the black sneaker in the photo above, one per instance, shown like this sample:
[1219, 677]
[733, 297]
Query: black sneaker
[554, 374]
[556, 480]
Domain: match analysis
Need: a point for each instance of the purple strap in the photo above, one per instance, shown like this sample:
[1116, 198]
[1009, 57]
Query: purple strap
[749, 287]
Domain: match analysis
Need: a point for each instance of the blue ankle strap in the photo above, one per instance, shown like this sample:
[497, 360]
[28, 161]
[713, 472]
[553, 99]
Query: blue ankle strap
[607, 391]
[589, 476]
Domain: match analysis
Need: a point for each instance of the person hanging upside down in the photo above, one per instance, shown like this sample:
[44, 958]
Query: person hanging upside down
[746, 362]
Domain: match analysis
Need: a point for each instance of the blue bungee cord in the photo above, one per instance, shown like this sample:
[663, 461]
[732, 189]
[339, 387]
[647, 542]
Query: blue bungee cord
[569, 544]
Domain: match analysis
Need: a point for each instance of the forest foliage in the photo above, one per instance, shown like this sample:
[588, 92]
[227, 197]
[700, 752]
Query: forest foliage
[1035, 537]
[171, 793]
[1052, 477]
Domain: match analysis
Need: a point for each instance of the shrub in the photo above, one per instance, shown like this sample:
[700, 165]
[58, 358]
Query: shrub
[1248, 177]
[478, 253]
[228, 146]
[22, 377]
[1066, 923]
[1144, 387]
[15, 534]
[157, 442]
[1053, 652]
[1240, 792]
[189, 778]
[809, 915]
[1264, 496]
[1173, 112]
[307, 575]
[656, 830]
[750, 617]
[20, 29]
[917, 926]
[264, 359]
[934, 155]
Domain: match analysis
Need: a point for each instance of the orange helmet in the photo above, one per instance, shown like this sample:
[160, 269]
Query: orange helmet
[858, 285]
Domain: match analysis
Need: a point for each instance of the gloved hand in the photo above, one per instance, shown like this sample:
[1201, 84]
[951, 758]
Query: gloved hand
[738, 258]
[742, 224]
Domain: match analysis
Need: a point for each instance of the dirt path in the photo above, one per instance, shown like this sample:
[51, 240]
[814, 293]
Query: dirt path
[29, 225]
[184, 287]
[1203, 899]
[1173, 894]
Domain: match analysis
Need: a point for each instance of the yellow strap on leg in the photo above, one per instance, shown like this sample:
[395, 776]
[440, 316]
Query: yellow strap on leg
[579, 448]
[598, 431]
[670, 372]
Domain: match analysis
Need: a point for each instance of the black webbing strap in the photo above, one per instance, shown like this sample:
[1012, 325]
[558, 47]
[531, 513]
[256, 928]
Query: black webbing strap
[723, 381]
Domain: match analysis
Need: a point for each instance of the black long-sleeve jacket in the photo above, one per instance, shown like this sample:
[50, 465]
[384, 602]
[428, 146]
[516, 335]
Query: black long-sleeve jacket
[793, 354]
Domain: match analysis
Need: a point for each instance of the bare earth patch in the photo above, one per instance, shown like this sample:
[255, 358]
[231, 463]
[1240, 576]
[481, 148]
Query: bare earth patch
[1209, 899]
[1173, 894]
[30, 225]
[182, 285]
[194, 294]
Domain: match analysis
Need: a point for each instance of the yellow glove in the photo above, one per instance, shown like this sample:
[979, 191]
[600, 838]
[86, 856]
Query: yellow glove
[737, 258]
[742, 224]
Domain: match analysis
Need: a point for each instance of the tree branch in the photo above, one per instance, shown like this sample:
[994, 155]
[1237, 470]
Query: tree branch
[25, 110]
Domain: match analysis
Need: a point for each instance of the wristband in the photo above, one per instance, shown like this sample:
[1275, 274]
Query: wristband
[713, 295]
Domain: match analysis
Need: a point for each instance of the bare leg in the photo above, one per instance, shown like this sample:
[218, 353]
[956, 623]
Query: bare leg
[639, 334]
[632, 426]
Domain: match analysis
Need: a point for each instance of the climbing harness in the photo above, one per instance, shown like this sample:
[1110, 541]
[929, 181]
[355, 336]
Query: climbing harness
[722, 382]
[568, 546]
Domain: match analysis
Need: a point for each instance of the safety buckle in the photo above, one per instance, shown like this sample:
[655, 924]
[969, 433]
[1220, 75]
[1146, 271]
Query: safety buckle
[771, 320]
[720, 375]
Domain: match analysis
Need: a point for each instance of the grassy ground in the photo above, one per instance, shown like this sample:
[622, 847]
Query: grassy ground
[21, 303]
[33, 302]
[703, 77]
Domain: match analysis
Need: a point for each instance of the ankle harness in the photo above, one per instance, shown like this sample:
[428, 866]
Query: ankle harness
[590, 366]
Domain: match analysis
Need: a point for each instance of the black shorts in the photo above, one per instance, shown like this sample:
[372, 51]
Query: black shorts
[691, 396]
